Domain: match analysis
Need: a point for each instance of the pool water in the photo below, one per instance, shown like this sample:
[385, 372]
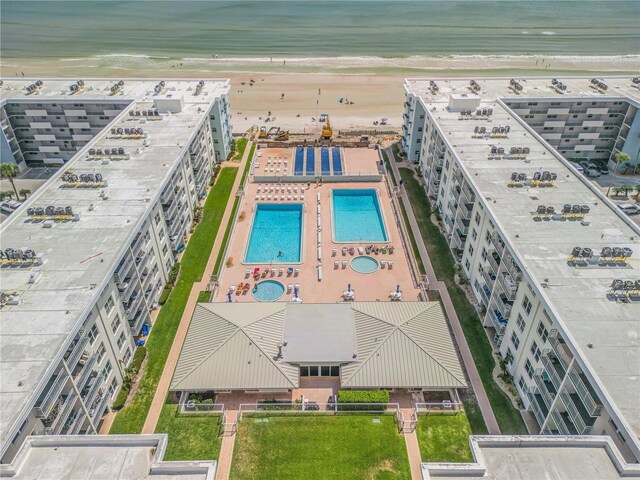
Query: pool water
[276, 234]
[365, 264]
[268, 291]
[357, 216]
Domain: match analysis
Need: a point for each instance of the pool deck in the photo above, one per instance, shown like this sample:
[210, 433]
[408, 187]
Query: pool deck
[368, 287]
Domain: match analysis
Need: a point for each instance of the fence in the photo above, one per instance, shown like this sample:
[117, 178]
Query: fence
[190, 407]
[347, 177]
[442, 408]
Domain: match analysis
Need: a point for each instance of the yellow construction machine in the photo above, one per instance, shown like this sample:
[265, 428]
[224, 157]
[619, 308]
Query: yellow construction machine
[327, 133]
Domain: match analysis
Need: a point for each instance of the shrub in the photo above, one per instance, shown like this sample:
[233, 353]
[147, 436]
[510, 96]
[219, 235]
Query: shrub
[138, 358]
[121, 399]
[164, 296]
[363, 396]
[173, 273]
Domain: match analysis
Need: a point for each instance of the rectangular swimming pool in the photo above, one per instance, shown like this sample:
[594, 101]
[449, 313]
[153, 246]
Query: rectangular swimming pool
[276, 234]
[357, 216]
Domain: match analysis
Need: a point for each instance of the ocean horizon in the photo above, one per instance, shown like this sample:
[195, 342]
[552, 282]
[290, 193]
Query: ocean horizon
[260, 31]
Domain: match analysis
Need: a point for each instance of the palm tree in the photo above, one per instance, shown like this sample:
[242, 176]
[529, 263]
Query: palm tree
[638, 192]
[617, 191]
[625, 189]
[620, 158]
[6, 194]
[25, 192]
[10, 170]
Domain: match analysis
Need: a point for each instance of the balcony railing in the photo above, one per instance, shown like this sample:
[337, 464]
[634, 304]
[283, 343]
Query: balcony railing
[489, 278]
[497, 243]
[547, 392]
[43, 408]
[77, 350]
[467, 196]
[123, 268]
[552, 369]
[77, 424]
[559, 421]
[508, 286]
[535, 406]
[462, 225]
[82, 377]
[593, 406]
[97, 412]
[561, 351]
[576, 418]
[494, 261]
[131, 283]
[58, 424]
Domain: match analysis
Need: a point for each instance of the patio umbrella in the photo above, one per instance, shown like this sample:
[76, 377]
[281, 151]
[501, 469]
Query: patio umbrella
[398, 288]
[349, 288]
[384, 119]
[295, 292]
[229, 297]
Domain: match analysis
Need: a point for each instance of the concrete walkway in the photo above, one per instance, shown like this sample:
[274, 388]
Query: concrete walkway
[225, 458]
[165, 380]
[454, 321]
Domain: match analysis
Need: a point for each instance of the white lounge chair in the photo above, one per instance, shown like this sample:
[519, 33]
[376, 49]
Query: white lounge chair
[247, 272]
[344, 251]
[289, 189]
[334, 252]
[383, 263]
[302, 197]
[361, 250]
[288, 197]
[390, 264]
[281, 272]
[269, 197]
[336, 264]
[296, 272]
[289, 288]
[282, 197]
[295, 198]
[262, 197]
[297, 285]
[344, 264]
[257, 196]
[273, 272]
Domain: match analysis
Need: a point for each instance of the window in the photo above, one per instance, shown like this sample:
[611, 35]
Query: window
[535, 351]
[101, 352]
[126, 357]
[161, 234]
[106, 371]
[165, 249]
[467, 265]
[509, 356]
[521, 323]
[109, 305]
[320, 371]
[93, 334]
[470, 250]
[313, 371]
[477, 218]
[515, 341]
[115, 324]
[121, 340]
[522, 384]
[113, 387]
[157, 218]
[487, 237]
[529, 368]
[474, 234]
[484, 254]
[543, 332]
[526, 305]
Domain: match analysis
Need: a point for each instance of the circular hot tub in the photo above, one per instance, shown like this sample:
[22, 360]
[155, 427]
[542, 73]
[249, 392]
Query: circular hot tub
[365, 264]
[268, 291]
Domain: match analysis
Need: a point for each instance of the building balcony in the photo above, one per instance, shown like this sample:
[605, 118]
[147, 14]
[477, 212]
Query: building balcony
[545, 388]
[512, 268]
[485, 293]
[83, 375]
[133, 305]
[458, 239]
[560, 349]
[494, 261]
[170, 210]
[99, 404]
[497, 243]
[503, 305]
[589, 398]
[77, 348]
[489, 277]
[563, 422]
[78, 422]
[126, 288]
[48, 399]
[462, 225]
[497, 319]
[579, 416]
[508, 286]
[463, 212]
[141, 316]
[539, 409]
[553, 368]
[58, 424]
[123, 269]
[468, 198]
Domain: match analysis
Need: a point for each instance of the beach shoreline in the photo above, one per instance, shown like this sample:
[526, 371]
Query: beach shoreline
[314, 85]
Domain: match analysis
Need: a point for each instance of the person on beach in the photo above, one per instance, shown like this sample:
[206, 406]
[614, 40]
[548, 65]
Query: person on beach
[318, 91]
[282, 97]
[308, 185]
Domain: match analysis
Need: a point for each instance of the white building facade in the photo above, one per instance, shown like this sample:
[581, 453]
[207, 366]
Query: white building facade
[569, 337]
[103, 232]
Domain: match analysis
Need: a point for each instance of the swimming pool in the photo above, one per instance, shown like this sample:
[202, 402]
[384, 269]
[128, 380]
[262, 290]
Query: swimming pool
[357, 216]
[276, 234]
[364, 264]
[268, 291]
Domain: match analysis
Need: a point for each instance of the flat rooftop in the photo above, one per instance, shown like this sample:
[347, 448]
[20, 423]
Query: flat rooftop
[605, 333]
[535, 457]
[101, 457]
[81, 256]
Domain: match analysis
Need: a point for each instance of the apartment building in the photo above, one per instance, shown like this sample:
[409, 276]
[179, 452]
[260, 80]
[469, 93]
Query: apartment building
[552, 263]
[85, 258]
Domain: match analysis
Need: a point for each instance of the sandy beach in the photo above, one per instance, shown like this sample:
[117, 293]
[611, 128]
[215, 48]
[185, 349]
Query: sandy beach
[313, 86]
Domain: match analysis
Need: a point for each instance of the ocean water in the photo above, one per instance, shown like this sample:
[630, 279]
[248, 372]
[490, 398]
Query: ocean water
[300, 29]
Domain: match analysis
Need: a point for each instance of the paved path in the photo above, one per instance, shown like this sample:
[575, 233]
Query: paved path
[174, 353]
[223, 467]
[454, 321]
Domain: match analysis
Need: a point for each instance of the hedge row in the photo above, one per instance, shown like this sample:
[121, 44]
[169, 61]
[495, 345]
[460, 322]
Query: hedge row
[363, 396]
[129, 374]
[171, 280]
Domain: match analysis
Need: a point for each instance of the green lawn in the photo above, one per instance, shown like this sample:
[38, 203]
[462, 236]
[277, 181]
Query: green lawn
[241, 144]
[191, 437]
[192, 265]
[204, 296]
[508, 418]
[444, 438]
[320, 448]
